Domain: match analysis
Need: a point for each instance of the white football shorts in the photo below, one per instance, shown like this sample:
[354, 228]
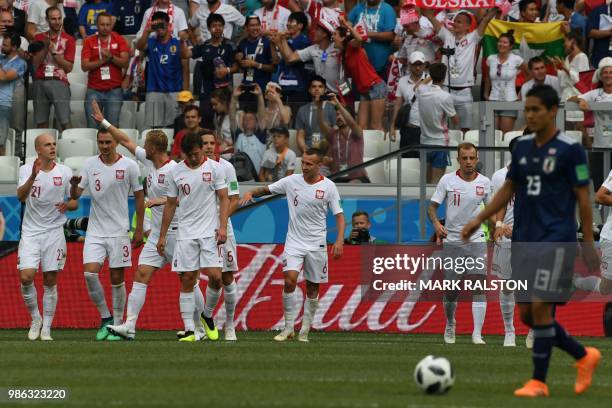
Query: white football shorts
[150, 257]
[47, 250]
[606, 259]
[312, 262]
[230, 255]
[118, 250]
[501, 265]
[195, 254]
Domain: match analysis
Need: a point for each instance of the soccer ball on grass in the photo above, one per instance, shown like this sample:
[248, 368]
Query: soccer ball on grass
[434, 375]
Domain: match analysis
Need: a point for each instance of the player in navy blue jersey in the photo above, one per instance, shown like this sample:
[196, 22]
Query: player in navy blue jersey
[548, 175]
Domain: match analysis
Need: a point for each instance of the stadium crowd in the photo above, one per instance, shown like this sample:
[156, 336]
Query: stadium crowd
[254, 70]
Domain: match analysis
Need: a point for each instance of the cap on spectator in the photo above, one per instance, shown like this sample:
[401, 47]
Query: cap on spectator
[408, 15]
[326, 25]
[184, 96]
[271, 84]
[604, 63]
[416, 56]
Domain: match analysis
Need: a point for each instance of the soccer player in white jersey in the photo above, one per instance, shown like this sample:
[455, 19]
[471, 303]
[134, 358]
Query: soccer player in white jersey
[43, 186]
[230, 253]
[501, 266]
[309, 197]
[196, 182]
[109, 178]
[464, 191]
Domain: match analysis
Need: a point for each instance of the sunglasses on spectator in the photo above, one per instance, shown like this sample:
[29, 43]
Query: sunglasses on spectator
[499, 70]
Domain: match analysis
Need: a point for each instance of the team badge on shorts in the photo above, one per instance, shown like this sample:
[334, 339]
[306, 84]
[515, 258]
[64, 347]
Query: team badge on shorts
[161, 178]
[480, 190]
[119, 174]
[320, 194]
[207, 176]
[57, 181]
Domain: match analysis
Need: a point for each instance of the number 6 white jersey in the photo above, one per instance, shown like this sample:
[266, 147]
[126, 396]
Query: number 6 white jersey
[232, 187]
[196, 190]
[109, 187]
[464, 200]
[308, 205]
[49, 189]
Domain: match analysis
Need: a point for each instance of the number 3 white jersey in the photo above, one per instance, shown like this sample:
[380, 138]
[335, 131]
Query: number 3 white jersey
[109, 187]
[498, 180]
[49, 189]
[196, 190]
[464, 200]
[232, 187]
[157, 187]
[308, 205]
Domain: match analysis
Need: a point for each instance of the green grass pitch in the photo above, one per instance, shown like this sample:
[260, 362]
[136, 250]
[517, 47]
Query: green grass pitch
[333, 370]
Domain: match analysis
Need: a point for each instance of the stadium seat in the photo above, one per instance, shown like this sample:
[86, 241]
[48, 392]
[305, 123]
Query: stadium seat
[77, 92]
[378, 173]
[410, 171]
[127, 118]
[293, 142]
[75, 147]
[374, 144]
[455, 136]
[298, 165]
[133, 134]
[575, 134]
[81, 133]
[75, 163]
[471, 136]
[125, 152]
[508, 136]
[9, 169]
[78, 118]
[30, 137]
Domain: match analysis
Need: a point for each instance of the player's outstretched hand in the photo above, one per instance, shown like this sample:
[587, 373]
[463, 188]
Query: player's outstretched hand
[161, 246]
[590, 255]
[62, 207]
[154, 202]
[469, 229]
[96, 112]
[246, 199]
[337, 250]
[221, 235]
[137, 239]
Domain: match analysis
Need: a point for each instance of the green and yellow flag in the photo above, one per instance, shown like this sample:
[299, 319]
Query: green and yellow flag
[532, 39]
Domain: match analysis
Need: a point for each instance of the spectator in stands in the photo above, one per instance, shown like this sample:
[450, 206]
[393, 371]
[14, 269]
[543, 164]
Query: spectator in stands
[256, 55]
[217, 59]
[378, 20]
[104, 56]
[529, 11]
[71, 19]
[88, 17]
[328, 10]
[134, 84]
[601, 39]
[7, 26]
[345, 142]
[360, 233]
[576, 20]
[500, 84]
[292, 77]
[184, 99]
[279, 160]
[461, 64]
[52, 63]
[247, 139]
[306, 123]
[274, 114]
[12, 68]
[177, 25]
[409, 125]
[129, 14]
[417, 38]
[220, 103]
[19, 17]
[37, 18]
[323, 54]
[192, 125]
[164, 79]
[372, 89]
[537, 70]
[231, 16]
[435, 108]
[273, 16]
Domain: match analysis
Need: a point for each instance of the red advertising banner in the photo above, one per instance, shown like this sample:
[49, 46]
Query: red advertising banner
[260, 283]
[454, 4]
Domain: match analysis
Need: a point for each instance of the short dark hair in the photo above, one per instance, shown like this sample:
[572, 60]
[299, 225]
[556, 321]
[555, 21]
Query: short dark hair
[437, 71]
[535, 60]
[160, 15]
[568, 4]
[360, 213]
[318, 78]
[313, 151]
[102, 130]
[547, 95]
[512, 144]
[510, 36]
[15, 38]
[50, 9]
[252, 17]
[524, 3]
[190, 141]
[104, 14]
[214, 18]
[299, 18]
[280, 131]
[190, 108]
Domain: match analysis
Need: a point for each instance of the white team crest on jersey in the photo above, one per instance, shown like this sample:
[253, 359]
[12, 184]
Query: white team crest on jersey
[119, 174]
[160, 178]
[207, 176]
[57, 181]
[480, 191]
[549, 164]
[320, 194]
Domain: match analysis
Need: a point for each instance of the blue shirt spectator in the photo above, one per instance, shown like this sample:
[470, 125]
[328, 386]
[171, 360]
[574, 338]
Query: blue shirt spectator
[292, 77]
[164, 69]
[129, 15]
[601, 47]
[258, 50]
[377, 17]
[211, 55]
[7, 87]
[88, 15]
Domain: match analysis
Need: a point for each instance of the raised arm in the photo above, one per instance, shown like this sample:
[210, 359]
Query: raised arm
[485, 20]
[255, 193]
[119, 136]
[430, 15]
[287, 53]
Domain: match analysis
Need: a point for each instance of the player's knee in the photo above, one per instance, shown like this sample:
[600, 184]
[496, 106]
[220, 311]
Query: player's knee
[50, 279]
[116, 276]
[605, 286]
[227, 278]
[142, 277]
[188, 281]
[312, 292]
[26, 280]
[289, 286]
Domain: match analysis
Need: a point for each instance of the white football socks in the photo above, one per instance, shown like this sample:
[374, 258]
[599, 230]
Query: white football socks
[230, 295]
[479, 310]
[96, 294]
[588, 283]
[506, 304]
[212, 298]
[135, 303]
[49, 305]
[310, 308]
[187, 306]
[119, 297]
[449, 311]
[289, 309]
[31, 300]
[198, 298]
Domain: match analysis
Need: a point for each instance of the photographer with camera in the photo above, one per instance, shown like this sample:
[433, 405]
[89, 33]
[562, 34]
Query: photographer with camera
[360, 233]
